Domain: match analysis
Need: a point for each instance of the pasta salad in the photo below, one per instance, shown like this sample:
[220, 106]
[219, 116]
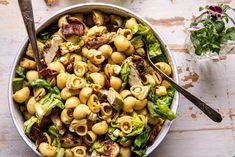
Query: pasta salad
[96, 95]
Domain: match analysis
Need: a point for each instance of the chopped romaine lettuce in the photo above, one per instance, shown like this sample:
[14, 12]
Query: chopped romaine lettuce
[137, 42]
[122, 139]
[114, 120]
[97, 146]
[53, 131]
[56, 142]
[47, 103]
[154, 49]
[60, 152]
[139, 146]
[138, 126]
[43, 37]
[151, 41]
[28, 124]
[124, 74]
[17, 84]
[111, 135]
[159, 106]
[41, 83]
[141, 29]
[20, 71]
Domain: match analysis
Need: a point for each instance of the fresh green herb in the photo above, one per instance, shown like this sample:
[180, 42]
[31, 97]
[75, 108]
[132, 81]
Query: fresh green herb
[139, 147]
[207, 38]
[20, 71]
[124, 74]
[229, 35]
[209, 33]
[17, 84]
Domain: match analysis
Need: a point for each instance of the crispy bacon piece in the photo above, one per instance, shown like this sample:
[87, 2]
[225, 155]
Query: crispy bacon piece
[69, 30]
[70, 140]
[74, 20]
[37, 135]
[97, 40]
[47, 72]
[107, 83]
[153, 135]
[139, 64]
[69, 66]
[74, 27]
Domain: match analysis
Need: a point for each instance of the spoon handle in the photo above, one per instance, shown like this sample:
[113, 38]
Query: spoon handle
[27, 14]
[211, 113]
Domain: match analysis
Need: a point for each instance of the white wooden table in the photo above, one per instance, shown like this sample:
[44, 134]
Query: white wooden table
[192, 133]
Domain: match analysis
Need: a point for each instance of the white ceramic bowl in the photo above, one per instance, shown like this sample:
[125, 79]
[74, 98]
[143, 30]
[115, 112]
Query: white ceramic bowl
[87, 7]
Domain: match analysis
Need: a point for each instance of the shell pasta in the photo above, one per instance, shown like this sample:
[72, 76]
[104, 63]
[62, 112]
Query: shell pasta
[97, 95]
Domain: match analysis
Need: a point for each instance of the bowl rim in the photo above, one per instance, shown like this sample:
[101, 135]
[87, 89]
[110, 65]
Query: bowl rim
[174, 106]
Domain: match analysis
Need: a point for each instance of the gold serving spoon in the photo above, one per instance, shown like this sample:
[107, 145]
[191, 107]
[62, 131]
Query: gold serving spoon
[27, 14]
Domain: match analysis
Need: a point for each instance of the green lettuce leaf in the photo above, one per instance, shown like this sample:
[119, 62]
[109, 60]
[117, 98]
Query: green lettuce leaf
[53, 131]
[28, 124]
[56, 142]
[138, 126]
[141, 29]
[47, 103]
[154, 49]
[124, 74]
[60, 152]
[97, 146]
[21, 71]
[41, 83]
[137, 42]
[159, 106]
[114, 120]
[43, 37]
[111, 135]
[17, 84]
[139, 147]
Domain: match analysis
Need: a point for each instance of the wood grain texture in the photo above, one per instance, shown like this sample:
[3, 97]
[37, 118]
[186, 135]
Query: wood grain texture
[192, 133]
